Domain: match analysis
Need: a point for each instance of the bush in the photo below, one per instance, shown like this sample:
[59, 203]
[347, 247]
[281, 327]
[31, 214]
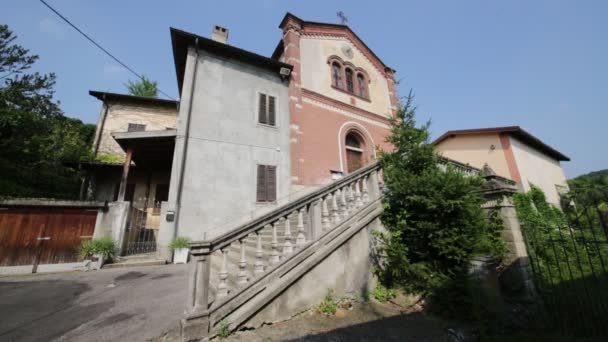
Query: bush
[433, 217]
[179, 242]
[87, 249]
[382, 294]
[104, 246]
[328, 306]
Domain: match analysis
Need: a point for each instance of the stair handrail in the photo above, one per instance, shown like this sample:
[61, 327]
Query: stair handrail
[225, 239]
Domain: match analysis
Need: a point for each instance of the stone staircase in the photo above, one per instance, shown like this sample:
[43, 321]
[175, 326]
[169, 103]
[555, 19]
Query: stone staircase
[237, 274]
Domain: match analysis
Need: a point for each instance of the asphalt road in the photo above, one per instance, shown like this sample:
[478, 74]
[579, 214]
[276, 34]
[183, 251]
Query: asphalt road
[130, 304]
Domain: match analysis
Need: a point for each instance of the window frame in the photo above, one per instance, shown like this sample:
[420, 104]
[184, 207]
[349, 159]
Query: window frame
[266, 199]
[350, 82]
[136, 127]
[336, 74]
[267, 95]
[362, 88]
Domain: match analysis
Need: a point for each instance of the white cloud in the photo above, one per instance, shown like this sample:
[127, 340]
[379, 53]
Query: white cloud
[52, 27]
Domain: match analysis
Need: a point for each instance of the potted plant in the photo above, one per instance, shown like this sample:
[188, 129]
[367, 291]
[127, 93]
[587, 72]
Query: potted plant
[98, 251]
[179, 246]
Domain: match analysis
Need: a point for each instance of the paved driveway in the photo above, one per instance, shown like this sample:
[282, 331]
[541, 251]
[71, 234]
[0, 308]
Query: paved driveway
[130, 304]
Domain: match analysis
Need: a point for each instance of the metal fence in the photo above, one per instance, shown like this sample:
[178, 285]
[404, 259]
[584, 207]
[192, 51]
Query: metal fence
[570, 262]
[142, 227]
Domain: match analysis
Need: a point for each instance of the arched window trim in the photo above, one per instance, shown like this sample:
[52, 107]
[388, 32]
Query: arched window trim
[343, 85]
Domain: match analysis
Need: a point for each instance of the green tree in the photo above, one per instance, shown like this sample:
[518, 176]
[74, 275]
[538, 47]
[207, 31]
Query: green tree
[35, 137]
[433, 217]
[144, 87]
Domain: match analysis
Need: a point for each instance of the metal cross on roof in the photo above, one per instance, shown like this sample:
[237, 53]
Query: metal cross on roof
[343, 18]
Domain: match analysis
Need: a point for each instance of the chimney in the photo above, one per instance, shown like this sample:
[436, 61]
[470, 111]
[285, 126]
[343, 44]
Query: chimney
[220, 34]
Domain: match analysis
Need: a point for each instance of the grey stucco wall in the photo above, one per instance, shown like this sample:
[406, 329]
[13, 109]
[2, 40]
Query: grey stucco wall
[224, 147]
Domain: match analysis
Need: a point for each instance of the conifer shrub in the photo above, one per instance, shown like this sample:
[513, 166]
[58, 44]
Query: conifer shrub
[433, 217]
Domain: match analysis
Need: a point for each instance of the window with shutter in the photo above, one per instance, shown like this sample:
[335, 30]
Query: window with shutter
[261, 186]
[266, 183]
[267, 110]
[262, 109]
[271, 111]
[271, 183]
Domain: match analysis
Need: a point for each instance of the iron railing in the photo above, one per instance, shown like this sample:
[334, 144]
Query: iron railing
[570, 262]
[142, 227]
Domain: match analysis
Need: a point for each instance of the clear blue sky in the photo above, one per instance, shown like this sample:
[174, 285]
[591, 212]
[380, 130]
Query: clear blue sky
[542, 65]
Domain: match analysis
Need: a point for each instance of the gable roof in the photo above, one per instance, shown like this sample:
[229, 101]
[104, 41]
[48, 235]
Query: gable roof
[102, 96]
[182, 40]
[515, 131]
[330, 28]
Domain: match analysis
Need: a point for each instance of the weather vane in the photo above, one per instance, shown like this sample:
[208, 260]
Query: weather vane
[343, 18]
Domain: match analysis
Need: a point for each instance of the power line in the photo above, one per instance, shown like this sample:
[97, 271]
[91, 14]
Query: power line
[101, 47]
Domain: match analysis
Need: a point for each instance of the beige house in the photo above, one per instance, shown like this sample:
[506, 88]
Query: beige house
[512, 153]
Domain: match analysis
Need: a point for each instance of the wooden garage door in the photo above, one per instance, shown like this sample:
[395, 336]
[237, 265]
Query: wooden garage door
[43, 235]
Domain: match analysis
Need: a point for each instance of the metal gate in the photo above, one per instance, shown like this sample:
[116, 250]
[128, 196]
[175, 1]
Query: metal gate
[569, 263]
[43, 235]
[142, 228]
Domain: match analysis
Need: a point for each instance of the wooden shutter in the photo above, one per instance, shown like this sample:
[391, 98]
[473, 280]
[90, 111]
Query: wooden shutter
[266, 190]
[271, 111]
[262, 118]
[271, 183]
[261, 186]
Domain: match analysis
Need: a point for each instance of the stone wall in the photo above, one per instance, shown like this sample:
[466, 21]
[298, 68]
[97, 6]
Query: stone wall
[120, 114]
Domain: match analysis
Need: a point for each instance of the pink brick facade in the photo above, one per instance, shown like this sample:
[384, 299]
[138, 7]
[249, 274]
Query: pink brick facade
[319, 123]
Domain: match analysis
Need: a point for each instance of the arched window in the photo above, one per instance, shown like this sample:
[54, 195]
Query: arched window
[350, 84]
[337, 74]
[362, 83]
[354, 151]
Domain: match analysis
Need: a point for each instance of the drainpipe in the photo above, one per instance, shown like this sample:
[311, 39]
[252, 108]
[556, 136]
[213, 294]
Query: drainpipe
[180, 183]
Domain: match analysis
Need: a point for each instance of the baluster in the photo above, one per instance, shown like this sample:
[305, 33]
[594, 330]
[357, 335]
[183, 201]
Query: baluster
[301, 239]
[343, 203]
[258, 267]
[325, 215]
[274, 253]
[222, 287]
[365, 196]
[358, 203]
[335, 211]
[351, 198]
[287, 246]
[242, 276]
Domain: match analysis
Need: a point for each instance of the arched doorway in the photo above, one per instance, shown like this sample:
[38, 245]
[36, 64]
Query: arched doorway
[354, 151]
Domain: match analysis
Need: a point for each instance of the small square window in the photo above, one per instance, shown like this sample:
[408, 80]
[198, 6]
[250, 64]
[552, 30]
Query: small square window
[133, 127]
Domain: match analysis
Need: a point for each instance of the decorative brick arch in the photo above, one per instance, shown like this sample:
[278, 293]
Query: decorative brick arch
[367, 142]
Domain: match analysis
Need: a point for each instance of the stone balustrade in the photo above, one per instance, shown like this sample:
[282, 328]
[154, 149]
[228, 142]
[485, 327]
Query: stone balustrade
[226, 265]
